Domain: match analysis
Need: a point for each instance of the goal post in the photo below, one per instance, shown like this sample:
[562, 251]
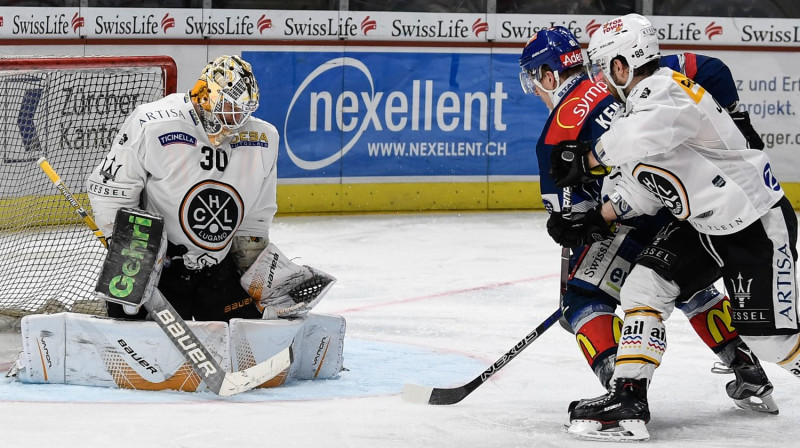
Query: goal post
[68, 109]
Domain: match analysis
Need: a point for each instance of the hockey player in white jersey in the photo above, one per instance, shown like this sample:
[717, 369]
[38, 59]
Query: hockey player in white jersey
[203, 162]
[673, 146]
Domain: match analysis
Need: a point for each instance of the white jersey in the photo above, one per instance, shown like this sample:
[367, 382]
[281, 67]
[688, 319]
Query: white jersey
[162, 161]
[677, 148]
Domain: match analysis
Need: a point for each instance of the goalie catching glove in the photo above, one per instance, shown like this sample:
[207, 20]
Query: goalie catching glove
[569, 167]
[581, 230]
[282, 288]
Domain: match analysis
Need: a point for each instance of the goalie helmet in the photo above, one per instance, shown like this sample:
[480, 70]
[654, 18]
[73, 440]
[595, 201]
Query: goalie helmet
[225, 96]
[631, 37]
[557, 49]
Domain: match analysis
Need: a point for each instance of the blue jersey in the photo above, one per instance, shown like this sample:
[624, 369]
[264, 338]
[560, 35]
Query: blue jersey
[583, 113]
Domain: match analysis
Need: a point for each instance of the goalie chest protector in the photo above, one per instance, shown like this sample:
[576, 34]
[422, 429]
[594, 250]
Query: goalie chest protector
[134, 258]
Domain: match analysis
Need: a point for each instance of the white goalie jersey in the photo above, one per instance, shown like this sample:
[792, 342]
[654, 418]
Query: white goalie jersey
[677, 148]
[162, 161]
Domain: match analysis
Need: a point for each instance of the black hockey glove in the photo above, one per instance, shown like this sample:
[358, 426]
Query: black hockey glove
[583, 229]
[742, 120]
[569, 167]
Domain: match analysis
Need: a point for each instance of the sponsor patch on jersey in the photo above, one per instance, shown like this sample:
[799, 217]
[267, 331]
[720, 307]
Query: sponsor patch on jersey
[573, 111]
[645, 93]
[250, 139]
[718, 182]
[770, 180]
[160, 115]
[209, 214]
[666, 187]
[180, 138]
[109, 191]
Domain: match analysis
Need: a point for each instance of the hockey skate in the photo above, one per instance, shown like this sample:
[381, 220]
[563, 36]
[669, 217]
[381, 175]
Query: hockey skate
[618, 416]
[751, 390]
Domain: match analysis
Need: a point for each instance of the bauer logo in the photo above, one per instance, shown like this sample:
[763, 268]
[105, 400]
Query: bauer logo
[173, 138]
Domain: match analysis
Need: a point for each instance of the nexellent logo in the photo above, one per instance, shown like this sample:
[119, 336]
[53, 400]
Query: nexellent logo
[352, 113]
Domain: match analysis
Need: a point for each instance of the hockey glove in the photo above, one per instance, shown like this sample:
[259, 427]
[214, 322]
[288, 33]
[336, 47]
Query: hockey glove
[742, 120]
[582, 230]
[569, 167]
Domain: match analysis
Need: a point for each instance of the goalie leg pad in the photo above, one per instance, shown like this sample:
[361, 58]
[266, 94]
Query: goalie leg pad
[317, 342]
[69, 348]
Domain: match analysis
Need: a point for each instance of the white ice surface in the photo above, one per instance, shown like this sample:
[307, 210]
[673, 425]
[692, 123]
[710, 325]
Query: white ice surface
[431, 299]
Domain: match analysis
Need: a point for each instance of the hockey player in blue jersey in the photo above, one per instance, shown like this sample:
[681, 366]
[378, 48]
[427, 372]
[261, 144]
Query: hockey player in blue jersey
[581, 109]
[673, 147]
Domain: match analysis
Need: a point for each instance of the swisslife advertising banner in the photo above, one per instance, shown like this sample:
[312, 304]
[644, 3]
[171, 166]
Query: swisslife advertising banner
[382, 115]
[265, 24]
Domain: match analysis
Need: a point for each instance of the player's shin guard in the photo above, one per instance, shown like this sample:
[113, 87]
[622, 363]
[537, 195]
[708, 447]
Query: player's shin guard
[709, 312]
[598, 336]
[642, 344]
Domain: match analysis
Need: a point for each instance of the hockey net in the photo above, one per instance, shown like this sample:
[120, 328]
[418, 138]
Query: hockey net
[69, 110]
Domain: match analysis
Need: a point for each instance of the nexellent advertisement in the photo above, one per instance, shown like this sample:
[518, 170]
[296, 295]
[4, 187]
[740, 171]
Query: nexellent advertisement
[388, 117]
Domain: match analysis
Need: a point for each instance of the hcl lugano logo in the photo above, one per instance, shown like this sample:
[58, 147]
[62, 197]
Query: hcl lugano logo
[351, 113]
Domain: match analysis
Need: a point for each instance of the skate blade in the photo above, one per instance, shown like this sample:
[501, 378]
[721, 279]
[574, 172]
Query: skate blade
[627, 431]
[765, 404]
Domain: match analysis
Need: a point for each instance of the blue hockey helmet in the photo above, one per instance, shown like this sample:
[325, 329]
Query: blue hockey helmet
[555, 47]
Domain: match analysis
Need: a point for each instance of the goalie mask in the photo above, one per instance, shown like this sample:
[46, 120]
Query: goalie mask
[554, 49]
[631, 38]
[225, 96]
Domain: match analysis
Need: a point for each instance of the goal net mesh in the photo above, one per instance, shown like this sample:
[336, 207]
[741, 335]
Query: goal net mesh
[68, 110]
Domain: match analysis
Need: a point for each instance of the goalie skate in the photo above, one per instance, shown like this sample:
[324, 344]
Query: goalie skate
[618, 416]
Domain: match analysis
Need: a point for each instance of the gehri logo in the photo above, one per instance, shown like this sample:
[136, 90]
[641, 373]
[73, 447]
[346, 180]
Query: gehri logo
[210, 213]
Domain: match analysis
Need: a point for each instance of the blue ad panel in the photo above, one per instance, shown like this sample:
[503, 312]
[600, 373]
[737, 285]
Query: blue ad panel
[386, 114]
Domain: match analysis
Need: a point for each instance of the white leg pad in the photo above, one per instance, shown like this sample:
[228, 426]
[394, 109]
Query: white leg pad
[317, 342]
[69, 348]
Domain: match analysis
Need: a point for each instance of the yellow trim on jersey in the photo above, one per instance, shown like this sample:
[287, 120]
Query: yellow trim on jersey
[691, 88]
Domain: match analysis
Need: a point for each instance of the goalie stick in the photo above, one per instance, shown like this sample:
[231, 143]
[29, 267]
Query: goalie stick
[414, 393]
[203, 363]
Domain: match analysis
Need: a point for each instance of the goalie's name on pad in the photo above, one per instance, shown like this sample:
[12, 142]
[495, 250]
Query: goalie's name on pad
[69, 348]
[132, 259]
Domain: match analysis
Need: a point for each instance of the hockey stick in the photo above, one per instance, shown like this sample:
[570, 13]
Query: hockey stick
[431, 395]
[566, 212]
[203, 363]
[414, 393]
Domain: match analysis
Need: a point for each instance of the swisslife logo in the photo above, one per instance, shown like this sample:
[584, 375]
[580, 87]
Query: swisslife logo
[48, 25]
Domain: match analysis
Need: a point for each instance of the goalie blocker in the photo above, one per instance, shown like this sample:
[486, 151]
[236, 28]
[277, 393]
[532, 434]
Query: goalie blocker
[133, 265]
